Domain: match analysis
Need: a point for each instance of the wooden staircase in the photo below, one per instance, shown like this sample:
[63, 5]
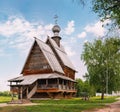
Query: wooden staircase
[32, 92]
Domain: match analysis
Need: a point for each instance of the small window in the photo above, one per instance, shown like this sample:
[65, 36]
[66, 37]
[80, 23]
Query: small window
[45, 67]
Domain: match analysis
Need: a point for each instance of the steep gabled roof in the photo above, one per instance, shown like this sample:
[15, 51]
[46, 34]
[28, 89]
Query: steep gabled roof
[61, 53]
[49, 55]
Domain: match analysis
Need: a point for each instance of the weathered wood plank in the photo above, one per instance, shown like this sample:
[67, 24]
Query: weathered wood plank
[36, 63]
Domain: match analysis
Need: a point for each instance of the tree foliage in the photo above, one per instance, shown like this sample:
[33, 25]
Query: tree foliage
[108, 9]
[5, 93]
[84, 88]
[102, 59]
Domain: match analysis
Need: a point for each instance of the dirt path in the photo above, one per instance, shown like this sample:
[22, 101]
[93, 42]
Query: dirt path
[114, 107]
[5, 104]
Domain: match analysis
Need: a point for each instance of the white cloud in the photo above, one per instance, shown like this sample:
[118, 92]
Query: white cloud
[20, 26]
[20, 32]
[70, 28]
[82, 35]
[86, 41]
[97, 28]
[14, 26]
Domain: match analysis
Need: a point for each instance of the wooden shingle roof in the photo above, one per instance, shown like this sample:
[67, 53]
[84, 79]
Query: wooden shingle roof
[29, 79]
[62, 54]
[50, 56]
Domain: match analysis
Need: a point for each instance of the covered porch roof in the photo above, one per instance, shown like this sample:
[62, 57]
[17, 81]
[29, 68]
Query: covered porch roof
[29, 79]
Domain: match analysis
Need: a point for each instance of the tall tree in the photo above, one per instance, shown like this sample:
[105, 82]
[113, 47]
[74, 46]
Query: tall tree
[102, 59]
[108, 9]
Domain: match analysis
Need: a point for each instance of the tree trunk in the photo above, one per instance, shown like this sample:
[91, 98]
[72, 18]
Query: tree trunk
[102, 95]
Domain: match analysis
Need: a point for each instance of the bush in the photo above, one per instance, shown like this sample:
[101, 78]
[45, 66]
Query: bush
[84, 88]
[5, 93]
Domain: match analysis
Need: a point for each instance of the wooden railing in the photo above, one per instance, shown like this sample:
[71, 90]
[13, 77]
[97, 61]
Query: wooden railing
[65, 87]
[44, 86]
[55, 86]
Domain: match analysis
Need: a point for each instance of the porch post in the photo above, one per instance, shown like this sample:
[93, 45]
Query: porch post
[62, 84]
[58, 83]
[46, 83]
[12, 95]
[10, 83]
[21, 92]
[67, 84]
[70, 85]
[74, 85]
[27, 92]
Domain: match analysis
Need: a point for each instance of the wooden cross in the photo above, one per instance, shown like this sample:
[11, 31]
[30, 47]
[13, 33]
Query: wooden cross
[56, 19]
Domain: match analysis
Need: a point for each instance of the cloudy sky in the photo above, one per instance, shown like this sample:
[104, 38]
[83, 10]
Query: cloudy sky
[21, 20]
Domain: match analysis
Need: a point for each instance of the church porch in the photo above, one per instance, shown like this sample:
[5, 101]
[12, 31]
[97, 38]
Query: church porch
[49, 88]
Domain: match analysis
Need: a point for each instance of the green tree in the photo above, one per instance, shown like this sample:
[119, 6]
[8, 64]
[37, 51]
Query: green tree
[79, 87]
[108, 9]
[5, 93]
[102, 59]
[84, 88]
[88, 88]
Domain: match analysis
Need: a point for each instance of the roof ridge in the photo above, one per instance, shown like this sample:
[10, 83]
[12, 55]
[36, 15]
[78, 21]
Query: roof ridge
[46, 45]
[39, 40]
[64, 57]
[57, 47]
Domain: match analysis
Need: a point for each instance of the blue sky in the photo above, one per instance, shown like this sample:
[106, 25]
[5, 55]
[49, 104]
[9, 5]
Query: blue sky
[21, 20]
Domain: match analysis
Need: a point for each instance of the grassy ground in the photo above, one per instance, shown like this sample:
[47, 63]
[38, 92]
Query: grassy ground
[4, 99]
[69, 105]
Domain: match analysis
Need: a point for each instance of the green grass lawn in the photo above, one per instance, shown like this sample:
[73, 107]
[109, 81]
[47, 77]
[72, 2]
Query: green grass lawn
[78, 101]
[65, 105]
[4, 99]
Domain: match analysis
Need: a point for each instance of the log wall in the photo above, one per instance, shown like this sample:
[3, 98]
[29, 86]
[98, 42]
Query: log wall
[36, 62]
[69, 72]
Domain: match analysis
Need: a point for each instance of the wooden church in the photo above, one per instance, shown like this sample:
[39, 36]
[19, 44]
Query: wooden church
[47, 72]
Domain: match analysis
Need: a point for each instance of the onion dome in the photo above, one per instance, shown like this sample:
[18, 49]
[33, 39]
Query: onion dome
[56, 29]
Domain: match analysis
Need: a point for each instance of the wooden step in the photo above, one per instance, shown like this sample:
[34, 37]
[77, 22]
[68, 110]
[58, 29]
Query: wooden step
[22, 101]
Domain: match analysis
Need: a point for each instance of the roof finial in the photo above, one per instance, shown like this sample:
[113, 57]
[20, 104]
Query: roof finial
[56, 18]
[35, 38]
